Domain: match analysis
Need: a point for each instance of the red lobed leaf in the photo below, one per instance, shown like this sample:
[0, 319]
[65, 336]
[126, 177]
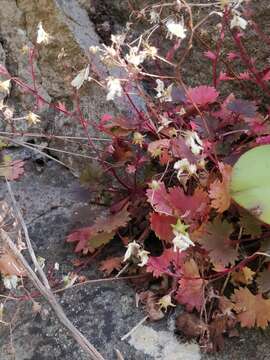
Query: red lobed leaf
[155, 147]
[103, 230]
[180, 150]
[215, 238]
[224, 113]
[166, 262]
[159, 199]
[16, 170]
[189, 207]
[81, 236]
[162, 225]
[111, 264]
[191, 287]
[242, 107]
[202, 95]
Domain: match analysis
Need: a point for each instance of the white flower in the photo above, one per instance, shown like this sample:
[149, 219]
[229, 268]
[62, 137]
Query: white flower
[42, 35]
[176, 28]
[61, 54]
[138, 139]
[41, 261]
[154, 17]
[232, 3]
[80, 78]
[135, 57]
[56, 266]
[94, 49]
[154, 185]
[194, 142]
[118, 39]
[114, 88]
[164, 121]
[184, 167]
[162, 93]
[165, 302]
[32, 118]
[143, 256]
[69, 279]
[8, 113]
[238, 21]
[132, 250]
[150, 51]
[5, 86]
[160, 87]
[10, 281]
[181, 241]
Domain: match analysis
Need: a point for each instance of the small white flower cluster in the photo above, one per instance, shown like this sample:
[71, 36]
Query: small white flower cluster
[135, 251]
[176, 29]
[10, 281]
[42, 35]
[136, 56]
[165, 302]
[163, 94]
[79, 79]
[114, 88]
[181, 241]
[194, 142]
[184, 167]
[154, 17]
[111, 56]
[237, 21]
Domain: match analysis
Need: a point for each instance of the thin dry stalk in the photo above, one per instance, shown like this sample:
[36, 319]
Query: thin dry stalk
[44, 287]
[48, 295]
[27, 238]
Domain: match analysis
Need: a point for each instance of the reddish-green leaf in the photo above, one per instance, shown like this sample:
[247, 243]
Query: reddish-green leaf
[215, 238]
[162, 225]
[191, 287]
[164, 263]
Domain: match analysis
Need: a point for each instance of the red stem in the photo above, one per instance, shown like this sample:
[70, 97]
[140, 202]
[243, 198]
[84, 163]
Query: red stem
[218, 49]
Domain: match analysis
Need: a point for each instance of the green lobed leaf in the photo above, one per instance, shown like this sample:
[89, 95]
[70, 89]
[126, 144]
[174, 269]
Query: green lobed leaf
[250, 183]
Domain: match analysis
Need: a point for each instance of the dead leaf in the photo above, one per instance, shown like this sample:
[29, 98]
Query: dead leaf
[215, 238]
[100, 233]
[250, 224]
[149, 299]
[11, 169]
[190, 325]
[220, 190]
[252, 310]
[111, 264]
[36, 307]
[217, 328]
[191, 287]
[9, 265]
[263, 280]
[243, 276]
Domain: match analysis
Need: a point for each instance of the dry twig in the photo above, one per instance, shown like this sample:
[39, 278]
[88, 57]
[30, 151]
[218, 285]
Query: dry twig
[44, 287]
